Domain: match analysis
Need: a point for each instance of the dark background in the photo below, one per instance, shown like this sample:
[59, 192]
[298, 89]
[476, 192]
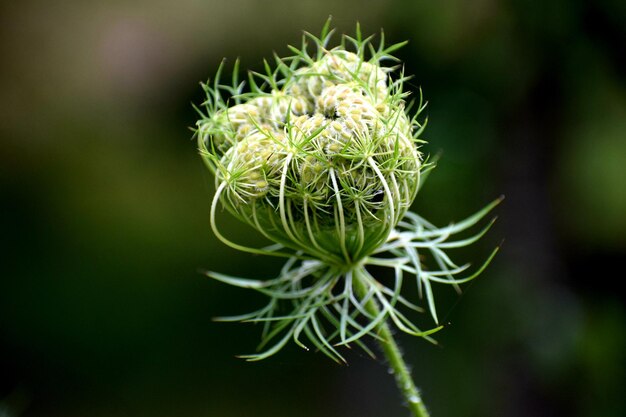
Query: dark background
[104, 211]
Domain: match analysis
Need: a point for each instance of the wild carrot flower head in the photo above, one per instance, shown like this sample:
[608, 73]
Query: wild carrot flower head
[320, 154]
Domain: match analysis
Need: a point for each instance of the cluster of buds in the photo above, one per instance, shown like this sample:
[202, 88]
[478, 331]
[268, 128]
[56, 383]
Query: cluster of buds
[320, 156]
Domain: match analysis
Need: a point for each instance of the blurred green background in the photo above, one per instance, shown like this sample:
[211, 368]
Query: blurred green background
[104, 210]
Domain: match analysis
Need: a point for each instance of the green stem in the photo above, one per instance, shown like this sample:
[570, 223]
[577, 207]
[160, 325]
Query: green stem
[391, 350]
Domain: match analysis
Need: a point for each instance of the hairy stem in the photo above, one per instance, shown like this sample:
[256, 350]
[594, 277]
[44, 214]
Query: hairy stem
[391, 350]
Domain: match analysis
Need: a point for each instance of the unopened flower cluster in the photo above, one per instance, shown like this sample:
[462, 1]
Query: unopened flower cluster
[318, 154]
[322, 158]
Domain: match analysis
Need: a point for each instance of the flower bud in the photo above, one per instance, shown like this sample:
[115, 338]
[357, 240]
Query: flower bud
[326, 164]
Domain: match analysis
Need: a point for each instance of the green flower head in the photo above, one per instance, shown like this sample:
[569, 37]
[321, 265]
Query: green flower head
[321, 155]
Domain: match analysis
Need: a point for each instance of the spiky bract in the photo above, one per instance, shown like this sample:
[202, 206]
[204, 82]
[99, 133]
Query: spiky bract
[311, 301]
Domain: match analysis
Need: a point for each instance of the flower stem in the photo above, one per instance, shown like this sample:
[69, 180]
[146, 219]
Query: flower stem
[391, 350]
